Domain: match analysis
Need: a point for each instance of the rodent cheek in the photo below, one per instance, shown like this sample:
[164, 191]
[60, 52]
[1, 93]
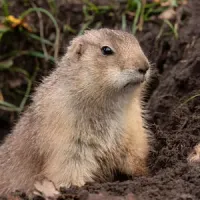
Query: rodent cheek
[114, 77]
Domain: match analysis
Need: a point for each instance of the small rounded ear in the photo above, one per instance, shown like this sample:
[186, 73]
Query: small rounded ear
[76, 49]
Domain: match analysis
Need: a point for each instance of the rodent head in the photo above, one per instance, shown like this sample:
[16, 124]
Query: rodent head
[107, 60]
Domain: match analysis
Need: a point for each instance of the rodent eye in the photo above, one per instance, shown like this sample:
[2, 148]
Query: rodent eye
[106, 50]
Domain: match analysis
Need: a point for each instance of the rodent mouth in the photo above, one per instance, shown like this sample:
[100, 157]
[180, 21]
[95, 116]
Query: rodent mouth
[130, 84]
[133, 83]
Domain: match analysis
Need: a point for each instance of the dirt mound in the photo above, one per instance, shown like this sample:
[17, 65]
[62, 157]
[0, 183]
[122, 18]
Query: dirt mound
[175, 119]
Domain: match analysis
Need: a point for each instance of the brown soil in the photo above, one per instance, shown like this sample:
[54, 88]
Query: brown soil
[175, 125]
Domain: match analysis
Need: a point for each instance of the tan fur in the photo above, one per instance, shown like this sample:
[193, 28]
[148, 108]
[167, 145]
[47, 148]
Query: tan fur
[194, 157]
[83, 124]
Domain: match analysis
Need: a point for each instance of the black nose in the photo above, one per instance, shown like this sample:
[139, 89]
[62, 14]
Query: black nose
[142, 70]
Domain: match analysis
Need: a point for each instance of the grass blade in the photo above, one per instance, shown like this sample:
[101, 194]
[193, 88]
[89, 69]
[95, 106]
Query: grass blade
[6, 64]
[172, 28]
[8, 106]
[135, 22]
[28, 90]
[38, 55]
[84, 27]
[124, 24]
[36, 9]
[5, 7]
[20, 70]
[15, 54]
[36, 37]
[188, 100]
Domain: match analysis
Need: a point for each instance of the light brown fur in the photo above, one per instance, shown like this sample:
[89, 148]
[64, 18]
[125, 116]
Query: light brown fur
[83, 124]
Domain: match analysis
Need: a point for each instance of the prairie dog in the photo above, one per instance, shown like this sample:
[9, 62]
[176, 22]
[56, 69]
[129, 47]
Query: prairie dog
[85, 120]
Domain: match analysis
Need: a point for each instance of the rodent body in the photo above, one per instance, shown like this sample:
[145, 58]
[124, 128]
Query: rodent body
[85, 120]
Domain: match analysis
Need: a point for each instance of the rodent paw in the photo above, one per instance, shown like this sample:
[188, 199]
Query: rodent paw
[46, 189]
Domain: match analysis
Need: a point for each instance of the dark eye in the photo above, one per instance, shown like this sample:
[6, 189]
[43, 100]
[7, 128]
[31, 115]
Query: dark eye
[106, 50]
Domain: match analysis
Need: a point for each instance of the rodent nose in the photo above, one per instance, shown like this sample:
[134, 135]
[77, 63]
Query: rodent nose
[143, 70]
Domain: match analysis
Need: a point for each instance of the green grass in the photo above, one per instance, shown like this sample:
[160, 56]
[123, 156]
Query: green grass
[173, 30]
[53, 6]
[90, 12]
[189, 99]
[56, 45]
[11, 107]
[7, 60]
[5, 7]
